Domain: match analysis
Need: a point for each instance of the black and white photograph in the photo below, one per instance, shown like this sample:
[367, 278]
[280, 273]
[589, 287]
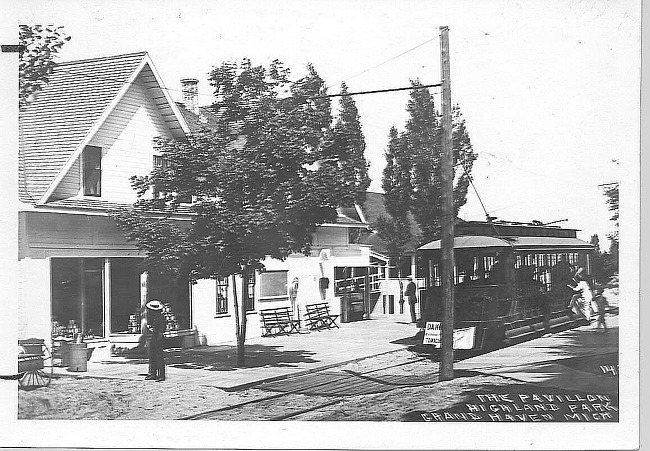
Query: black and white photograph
[320, 225]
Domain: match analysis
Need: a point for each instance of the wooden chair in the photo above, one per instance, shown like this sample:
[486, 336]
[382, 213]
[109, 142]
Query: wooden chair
[278, 321]
[318, 317]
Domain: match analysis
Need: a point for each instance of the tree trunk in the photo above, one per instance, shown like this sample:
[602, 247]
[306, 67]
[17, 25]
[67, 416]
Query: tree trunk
[240, 343]
[399, 280]
[241, 337]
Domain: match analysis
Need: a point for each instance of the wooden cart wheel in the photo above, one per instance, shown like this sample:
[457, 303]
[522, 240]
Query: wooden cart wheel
[40, 377]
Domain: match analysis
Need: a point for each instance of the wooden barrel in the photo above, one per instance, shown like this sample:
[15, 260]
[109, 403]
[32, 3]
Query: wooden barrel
[77, 357]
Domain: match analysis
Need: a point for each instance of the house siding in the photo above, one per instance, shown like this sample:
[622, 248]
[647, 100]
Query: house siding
[33, 318]
[63, 113]
[63, 235]
[331, 236]
[126, 139]
[216, 329]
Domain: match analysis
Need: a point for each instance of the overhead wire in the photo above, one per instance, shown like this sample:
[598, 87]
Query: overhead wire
[327, 87]
[387, 61]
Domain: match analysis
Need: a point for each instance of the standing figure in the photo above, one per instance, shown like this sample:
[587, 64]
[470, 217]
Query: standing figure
[581, 300]
[157, 325]
[411, 297]
[602, 304]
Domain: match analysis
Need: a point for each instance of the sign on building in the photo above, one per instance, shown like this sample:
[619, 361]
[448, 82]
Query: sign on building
[463, 338]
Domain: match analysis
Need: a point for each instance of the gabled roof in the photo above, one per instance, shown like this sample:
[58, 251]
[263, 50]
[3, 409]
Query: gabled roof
[63, 117]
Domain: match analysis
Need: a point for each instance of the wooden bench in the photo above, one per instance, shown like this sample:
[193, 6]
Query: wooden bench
[318, 317]
[276, 321]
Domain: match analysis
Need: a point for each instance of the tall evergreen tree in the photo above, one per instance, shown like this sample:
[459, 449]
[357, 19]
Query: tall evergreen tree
[396, 180]
[423, 135]
[345, 145]
[394, 229]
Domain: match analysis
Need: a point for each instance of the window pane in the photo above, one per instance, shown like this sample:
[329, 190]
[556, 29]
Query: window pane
[222, 296]
[250, 302]
[273, 284]
[66, 296]
[92, 162]
[93, 299]
[77, 297]
[125, 295]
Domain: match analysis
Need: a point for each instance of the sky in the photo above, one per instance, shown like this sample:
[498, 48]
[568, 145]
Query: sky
[549, 89]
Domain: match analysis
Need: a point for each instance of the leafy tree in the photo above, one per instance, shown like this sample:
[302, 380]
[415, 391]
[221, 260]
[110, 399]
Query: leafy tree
[608, 262]
[611, 193]
[262, 180]
[39, 46]
[394, 229]
[423, 136]
[412, 178]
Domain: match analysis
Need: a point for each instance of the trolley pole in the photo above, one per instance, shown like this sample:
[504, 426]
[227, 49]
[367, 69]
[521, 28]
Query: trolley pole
[448, 216]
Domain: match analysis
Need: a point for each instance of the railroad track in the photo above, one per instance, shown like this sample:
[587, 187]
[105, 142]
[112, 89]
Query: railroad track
[300, 394]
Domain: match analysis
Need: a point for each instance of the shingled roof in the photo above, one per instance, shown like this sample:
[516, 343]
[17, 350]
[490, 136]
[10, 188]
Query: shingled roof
[61, 119]
[372, 209]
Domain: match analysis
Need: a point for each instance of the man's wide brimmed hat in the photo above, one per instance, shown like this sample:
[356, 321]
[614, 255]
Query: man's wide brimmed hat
[154, 305]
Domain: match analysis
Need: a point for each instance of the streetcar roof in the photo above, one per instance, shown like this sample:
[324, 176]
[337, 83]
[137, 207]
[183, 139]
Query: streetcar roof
[517, 242]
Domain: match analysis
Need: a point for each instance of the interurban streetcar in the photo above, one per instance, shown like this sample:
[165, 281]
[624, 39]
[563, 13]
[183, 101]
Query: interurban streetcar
[510, 279]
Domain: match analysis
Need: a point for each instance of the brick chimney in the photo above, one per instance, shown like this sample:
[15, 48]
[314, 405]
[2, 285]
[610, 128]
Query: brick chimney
[189, 87]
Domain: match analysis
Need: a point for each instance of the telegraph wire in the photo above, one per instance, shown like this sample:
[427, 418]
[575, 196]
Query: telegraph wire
[387, 61]
[375, 91]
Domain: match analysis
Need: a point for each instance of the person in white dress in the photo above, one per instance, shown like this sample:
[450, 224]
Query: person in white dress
[581, 301]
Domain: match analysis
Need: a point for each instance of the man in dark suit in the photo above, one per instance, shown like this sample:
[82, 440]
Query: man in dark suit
[157, 325]
[411, 297]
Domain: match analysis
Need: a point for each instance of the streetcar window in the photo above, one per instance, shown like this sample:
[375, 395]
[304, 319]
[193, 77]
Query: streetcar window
[475, 275]
[436, 275]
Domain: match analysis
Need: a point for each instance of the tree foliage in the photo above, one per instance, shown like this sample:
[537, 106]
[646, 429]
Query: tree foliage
[262, 180]
[611, 194]
[606, 263]
[39, 45]
[394, 228]
[344, 147]
[413, 177]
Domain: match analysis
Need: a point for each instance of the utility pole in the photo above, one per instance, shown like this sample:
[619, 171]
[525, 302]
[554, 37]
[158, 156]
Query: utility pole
[448, 216]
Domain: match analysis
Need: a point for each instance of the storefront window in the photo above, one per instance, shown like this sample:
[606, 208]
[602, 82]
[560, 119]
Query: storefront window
[175, 295]
[125, 295]
[77, 297]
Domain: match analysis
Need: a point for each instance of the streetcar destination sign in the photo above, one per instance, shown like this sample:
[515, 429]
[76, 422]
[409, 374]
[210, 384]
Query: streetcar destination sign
[463, 337]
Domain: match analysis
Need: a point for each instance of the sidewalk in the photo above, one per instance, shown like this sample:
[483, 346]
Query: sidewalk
[266, 357]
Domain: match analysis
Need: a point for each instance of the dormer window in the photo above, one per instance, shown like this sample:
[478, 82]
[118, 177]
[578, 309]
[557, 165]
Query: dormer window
[92, 167]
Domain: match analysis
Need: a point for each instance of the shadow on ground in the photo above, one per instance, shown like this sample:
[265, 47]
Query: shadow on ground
[224, 358]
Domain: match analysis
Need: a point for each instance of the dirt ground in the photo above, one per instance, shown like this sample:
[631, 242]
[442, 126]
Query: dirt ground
[93, 398]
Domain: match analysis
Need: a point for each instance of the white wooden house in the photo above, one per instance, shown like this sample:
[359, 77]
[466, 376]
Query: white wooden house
[81, 139]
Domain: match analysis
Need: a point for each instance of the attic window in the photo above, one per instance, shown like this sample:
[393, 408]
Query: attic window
[92, 176]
